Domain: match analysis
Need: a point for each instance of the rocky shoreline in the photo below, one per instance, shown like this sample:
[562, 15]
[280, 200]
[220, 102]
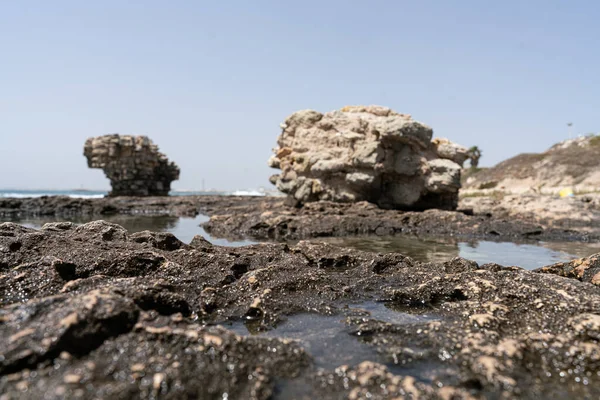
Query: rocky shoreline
[91, 311]
[271, 218]
[581, 213]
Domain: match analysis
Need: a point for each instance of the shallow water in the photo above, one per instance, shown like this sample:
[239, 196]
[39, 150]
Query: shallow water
[326, 337]
[529, 255]
[183, 228]
[329, 341]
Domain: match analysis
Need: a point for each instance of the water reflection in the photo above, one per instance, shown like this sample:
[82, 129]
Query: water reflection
[326, 337]
[183, 228]
[331, 342]
[420, 248]
[528, 255]
[132, 223]
[436, 249]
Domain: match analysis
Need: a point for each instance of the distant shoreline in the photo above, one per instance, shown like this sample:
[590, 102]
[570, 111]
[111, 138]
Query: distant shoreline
[95, 194]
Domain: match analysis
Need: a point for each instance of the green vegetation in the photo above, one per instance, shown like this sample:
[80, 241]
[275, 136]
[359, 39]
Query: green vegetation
[595, 140]
[474, 155]
[496, 194]
[488, 185]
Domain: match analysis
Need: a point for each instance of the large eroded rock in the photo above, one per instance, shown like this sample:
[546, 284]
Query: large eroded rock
[367, 153]
[133, 164]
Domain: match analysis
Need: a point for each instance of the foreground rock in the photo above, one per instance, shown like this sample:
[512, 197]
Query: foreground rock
[133, 164]
[366, 153]
[93, 312]
[586, 269]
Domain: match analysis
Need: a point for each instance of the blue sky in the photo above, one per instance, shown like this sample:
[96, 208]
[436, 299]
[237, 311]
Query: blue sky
[210, 82]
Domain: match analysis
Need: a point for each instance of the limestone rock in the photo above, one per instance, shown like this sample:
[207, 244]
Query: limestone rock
[133, 164]
[451, 151]
[367, 153]
[572, 164]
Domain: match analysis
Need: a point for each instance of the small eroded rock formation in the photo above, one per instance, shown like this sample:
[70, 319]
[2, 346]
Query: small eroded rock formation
[133, 164]
[367, 153]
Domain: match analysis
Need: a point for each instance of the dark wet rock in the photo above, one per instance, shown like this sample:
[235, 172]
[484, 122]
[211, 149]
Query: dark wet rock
[9, 229]
[586, 269]
[164, 358]
[99, 230]
[41, 329]
[66, 270]
[261, 218]
[459, 264]
[374, 381]
[133, 164]
[199, 242]
[58, 226]
[121, 319]
[159, 240]
[328, 219]
[63, 206]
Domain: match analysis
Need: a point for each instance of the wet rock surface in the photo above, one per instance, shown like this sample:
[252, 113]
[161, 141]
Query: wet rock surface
[91, 311]
[366, 153]
[586, 269]
[133, 164]
[274, 220]
[268, 218]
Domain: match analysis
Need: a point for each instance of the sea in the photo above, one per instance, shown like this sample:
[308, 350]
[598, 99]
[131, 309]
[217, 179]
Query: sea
[95, 194]
[529, 254]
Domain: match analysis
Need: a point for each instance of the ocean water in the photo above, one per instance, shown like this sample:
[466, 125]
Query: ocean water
[20, 194]
[95, 194]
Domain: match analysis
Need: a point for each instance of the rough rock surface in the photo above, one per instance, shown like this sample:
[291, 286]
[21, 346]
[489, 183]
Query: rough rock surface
[264, 218]
[276, 221]
[133, 164]
[580, 212]
[451, 151]
[366, 153]
[586, 269]
[92, 312]
[573, 163]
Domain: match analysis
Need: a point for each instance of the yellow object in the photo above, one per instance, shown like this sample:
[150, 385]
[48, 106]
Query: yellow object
[566, 192]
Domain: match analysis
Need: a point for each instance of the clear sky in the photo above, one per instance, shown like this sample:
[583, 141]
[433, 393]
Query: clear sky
[210, 81]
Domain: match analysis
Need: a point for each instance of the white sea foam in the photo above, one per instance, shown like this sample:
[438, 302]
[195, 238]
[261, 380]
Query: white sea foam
[86, 196]
[248, 193]
[96, 194]
[21, 195]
